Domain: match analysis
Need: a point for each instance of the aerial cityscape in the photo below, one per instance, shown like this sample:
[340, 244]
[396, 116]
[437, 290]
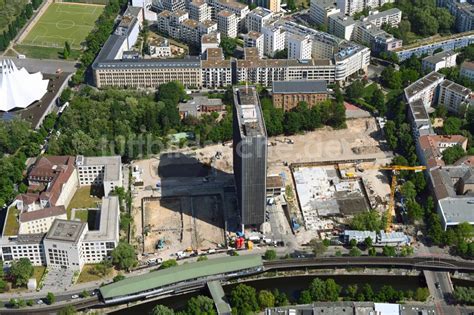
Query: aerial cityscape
[277, 157]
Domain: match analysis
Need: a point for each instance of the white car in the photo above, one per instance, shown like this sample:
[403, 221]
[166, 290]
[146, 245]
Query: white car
[39, 302]
[75, 296]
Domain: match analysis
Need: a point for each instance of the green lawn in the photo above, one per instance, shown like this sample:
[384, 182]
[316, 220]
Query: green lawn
[11, 224]
[82, 200]
[368, 91]
[64, 22]
[37, 52]
[88, 276]
[82, 215]
[38, 273]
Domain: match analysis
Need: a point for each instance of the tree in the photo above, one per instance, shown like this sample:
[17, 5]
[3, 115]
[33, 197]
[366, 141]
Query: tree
[119, 277]
[351, 291]
[317, 289]
[281, 54]
[21, 270]
[452, 126]
[408, 190]
[368, 242]
[67, 50]
[169, 263]
[333, 290]
[200, 305]
[378, 100]
[65, 95]
[270, 254]
[452, 154]
[421, 294]
[415, 211]
[50, 298]
[355, 90]
[355, 252]
[202, 258]
[124, 257]
[353, 243]
[317, 247]
[391, 78]
[161, 310]
[388, 251]
[266, 299]
[243, 299]
[372, 251]
[67, 310]
[305, 297]
[85, 294]
[228, 46]
[368, 292]
[369, 220]
[280, 298]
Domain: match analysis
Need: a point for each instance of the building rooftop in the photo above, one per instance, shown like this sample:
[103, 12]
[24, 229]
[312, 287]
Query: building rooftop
[251, 53]
[214, 54]
[42, 213]
[211, 38]
[342, 19]
[263, 12]
[22, 239]
[423, 83]
[66, 231]
[468, 65]
[299, 86]
[249, 112]
[225, 13]
[113, 165]
[275, 181]
[109, 221]
[233, 4]
[374, 15]
[457, 88]
[457, 210]
[207, 23]
[254, 35]
[190, 23]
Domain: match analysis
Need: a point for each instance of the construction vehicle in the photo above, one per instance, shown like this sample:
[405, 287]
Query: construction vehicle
[395, 171]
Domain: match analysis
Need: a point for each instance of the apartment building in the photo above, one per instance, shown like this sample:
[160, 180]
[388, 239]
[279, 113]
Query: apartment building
[425, 89]
[227, 23]
[211, 40]
[288, 94]
[467, 70]
[321, 10]
[444, 59]
[274, 39]
[377, 39]
[39, 221]
[257, 18]
[341, 25]
[199, 10]
[216, 71]
[239, 9]
[391, 17]
[160, 48]
[299, 47]
[445, 43]
[255, 39]
[173, 5]
[350, 7]
[272, 5]
[455, 97]
[101, 170]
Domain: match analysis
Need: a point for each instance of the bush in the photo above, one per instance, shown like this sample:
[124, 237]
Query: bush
[270, 254]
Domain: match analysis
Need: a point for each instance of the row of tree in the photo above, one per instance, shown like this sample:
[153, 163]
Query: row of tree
[245, 299]
[15, 25]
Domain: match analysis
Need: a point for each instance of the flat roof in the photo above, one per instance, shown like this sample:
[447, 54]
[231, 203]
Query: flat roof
[457, 88]
[300, 86]
[112, 164]
[66, 231]
[422, 84]
[249, 112]
[184, 272]
[458, 209]
[108, 223]
[439, 56]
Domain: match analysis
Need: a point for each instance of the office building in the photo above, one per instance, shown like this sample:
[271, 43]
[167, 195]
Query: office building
[299, 47]
[249, 155]
[321, 10]
[39, 221]
[288, 94]
[455, 97]
[467, 70]
[443, 59]
[23, 246]
[103, 171]
[255, 39]
[257, 18]
[227, 23]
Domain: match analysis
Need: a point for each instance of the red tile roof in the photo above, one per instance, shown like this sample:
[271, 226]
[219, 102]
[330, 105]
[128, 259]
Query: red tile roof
[43, 213]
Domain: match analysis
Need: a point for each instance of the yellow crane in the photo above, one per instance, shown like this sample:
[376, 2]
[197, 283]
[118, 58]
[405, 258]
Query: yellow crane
[395, 169]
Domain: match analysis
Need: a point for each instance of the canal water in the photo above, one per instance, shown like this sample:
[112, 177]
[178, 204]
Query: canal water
[292, 286]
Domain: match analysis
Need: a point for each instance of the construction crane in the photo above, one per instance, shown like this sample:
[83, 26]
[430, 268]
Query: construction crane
[395, 169]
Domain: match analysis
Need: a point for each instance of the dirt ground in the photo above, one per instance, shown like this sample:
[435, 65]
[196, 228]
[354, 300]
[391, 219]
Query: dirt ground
[184, 222]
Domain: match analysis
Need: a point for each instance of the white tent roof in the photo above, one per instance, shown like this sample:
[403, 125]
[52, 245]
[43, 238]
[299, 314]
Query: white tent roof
[18, 88]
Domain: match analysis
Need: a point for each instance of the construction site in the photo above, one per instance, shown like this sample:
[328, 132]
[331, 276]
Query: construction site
[188, 202]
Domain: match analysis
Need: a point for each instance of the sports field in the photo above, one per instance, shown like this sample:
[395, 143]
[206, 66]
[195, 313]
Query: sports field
[63, 22]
